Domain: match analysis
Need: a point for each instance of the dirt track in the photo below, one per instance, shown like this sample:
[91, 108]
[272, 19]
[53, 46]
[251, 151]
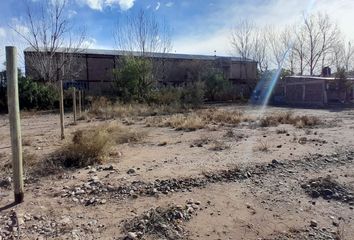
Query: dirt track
[261, 197]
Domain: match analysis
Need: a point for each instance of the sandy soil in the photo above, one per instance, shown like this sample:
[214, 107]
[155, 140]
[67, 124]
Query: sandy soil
[268, 203]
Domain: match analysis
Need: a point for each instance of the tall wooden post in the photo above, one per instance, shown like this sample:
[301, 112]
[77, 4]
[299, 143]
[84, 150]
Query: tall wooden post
[15, 125]
[61, 107]
[74, 104]
[79, 103]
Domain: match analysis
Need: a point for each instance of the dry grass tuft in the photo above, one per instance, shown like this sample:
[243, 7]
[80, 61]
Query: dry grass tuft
[289, 118]
[262, 146]
[121, 134]
[189, 122]
[281, 131]
[2, 155]
[199, 119]
[26, 142]
[219, 146]
[103, 108]
[29, 159]
[84, 116]
[201, 141]
[221, 116]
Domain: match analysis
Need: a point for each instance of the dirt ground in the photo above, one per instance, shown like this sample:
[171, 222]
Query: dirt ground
[236, 191]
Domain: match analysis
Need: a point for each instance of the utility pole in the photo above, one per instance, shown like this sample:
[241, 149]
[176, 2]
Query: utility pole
[15, 125]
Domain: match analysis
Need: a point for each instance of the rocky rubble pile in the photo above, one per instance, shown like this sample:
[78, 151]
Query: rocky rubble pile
[328, 188]
[161, 222]
[95, 191]
[85, 193]
[306, 234]
[20, 226]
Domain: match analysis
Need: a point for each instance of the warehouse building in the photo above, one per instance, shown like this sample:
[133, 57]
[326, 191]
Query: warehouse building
[316, 91]
[95, 68]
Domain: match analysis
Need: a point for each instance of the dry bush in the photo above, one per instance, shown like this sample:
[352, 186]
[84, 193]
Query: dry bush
[289, 118]
[306, 121]
[88, 147]
[262, 146]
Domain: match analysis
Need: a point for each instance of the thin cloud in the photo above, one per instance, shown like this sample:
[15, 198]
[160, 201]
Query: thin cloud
[101, 4]
[157, 6]
[169, 4]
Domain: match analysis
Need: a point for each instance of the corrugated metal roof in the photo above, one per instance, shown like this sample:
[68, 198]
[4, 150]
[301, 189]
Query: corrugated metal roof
[317, 77]
[157, 55]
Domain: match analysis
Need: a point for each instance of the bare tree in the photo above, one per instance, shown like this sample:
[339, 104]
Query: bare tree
[299, 50]
[280, 43]
[242, 38]
[140, 36]
[348, 56]
[250, 42]
[321, 35]
[259, 50]
[54, 43]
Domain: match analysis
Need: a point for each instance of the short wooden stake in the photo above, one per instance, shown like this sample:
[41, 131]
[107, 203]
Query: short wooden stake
[15, 125]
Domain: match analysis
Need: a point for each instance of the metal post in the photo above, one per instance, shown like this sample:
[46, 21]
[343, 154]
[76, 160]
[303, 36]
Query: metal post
[74, 104]
[15, 125]
[61, 106]
[79, 103]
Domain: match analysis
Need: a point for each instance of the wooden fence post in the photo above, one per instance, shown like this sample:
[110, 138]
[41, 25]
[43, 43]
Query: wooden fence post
[15, 125]
[80, 103]
[61, 107]
[74, 104]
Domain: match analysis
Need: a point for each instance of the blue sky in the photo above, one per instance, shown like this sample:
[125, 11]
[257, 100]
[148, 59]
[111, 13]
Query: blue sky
[198, 26]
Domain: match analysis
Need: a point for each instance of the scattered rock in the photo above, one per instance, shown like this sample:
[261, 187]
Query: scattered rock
[131, 171]
[313, 223]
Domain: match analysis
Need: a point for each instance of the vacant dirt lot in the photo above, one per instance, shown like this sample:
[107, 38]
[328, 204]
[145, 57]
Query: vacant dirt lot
[246, 180]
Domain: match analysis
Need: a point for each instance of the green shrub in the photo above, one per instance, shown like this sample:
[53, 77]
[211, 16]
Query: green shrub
[193, 94]
[166, 95]
[216, 84]
[133, 79]
[34, 95]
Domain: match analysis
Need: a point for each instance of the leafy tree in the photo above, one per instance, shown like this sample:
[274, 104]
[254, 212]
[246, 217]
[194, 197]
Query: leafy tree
[32, 95]
[215, 83]
[193, 93]
[133, 79]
